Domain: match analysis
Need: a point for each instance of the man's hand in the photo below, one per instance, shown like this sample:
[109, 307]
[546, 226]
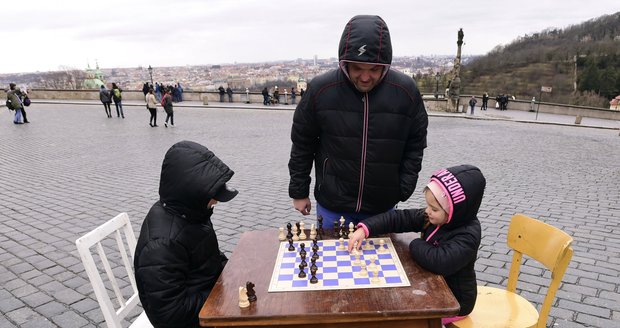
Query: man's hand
[302, 205]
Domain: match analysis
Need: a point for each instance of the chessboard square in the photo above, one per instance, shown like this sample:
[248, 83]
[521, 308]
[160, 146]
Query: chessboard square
[330, 282]
[384, 256]
[344, 263]
[330, 269]
[287, 265]
[329, 248]
[300, 283]
[369, 251]
[285, 277]
[329, 258]
[361, 281]
[393, 280]
[345, 275]
[289, 254]
[388, 267]
[342, 253]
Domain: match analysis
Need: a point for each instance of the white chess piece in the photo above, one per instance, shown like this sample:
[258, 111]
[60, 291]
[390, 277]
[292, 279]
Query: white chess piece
[341, 246]
[381, 246]
[281, 235]
[367, 244]
[351, 227]
[375, 276]
[243, 297]
[312, 231]
[294, 230]
[363, 271]
[302, 234]
[356, 255]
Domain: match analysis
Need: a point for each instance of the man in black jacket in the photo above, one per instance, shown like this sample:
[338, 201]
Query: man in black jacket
[364, 127]
[177, 259]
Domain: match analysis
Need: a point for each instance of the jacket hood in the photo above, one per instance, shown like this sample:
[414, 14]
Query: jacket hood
[365, 39]
[463, 186]
[191, 175]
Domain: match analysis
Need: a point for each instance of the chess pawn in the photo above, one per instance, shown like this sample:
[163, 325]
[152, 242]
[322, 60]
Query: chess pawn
[295, 235]
[351, 227]
[356, 254]
[381, 246]
[367, 245]
[302, 273]
[312, 231]
[313, 279]
[363, 271]
[302, 233]
[243, 297]
[341, 246]
[281, 235]
[375, 276]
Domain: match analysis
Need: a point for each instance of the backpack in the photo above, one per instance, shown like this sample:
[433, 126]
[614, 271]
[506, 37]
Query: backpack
[117, 94]
[26, 101]
[9, 105]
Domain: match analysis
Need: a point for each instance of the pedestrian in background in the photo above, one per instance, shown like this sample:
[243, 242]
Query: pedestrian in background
[276, 95]
[106, 99]
[117, 96]
[485, 101]
[14, 102]
[222, 93]
[265, 94]
[293, 95]
[472, 104]
[167, 103]
[151, 105]
[229, 92]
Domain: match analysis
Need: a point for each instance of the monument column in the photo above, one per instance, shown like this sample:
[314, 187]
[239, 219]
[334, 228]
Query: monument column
[455, 83]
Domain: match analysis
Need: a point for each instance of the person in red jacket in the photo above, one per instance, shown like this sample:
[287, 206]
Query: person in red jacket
[450, 230]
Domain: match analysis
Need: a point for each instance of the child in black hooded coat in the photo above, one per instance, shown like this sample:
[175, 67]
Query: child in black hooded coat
[450, 230]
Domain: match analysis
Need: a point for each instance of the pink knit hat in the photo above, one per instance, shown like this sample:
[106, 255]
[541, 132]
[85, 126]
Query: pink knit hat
[439, 193]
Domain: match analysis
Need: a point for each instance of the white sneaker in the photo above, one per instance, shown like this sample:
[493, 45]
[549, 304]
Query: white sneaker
[166, 124]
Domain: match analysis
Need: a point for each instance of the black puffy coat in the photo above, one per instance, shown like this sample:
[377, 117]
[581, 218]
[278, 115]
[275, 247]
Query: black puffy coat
[177, 259]
[367, 147]
[451, 249]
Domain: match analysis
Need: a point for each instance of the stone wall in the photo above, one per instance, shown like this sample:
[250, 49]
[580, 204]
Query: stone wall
[431, 103]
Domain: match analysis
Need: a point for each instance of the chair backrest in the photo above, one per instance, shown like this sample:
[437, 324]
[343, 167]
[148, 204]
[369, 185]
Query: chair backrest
[112, 229]
[546, 244]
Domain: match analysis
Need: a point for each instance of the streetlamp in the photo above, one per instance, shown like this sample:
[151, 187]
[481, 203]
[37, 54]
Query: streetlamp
[151, 73]
[437, 76]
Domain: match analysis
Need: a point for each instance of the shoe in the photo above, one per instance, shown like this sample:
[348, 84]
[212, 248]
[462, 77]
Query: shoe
[171, 125]
[166, 124]
[26, 121]
[123, 116]
[151, 124]
[155, 125]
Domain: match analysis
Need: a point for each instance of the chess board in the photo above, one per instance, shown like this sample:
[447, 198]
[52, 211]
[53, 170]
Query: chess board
[336, 268]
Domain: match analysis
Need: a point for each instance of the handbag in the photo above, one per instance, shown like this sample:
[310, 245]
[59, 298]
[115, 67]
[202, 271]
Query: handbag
[26, 101]
[9, 105]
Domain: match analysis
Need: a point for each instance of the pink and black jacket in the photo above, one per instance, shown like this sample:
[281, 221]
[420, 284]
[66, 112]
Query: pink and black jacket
[366, 147]
[450, 249]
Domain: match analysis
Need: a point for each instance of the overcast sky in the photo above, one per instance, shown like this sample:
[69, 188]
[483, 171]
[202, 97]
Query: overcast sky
[41, 35]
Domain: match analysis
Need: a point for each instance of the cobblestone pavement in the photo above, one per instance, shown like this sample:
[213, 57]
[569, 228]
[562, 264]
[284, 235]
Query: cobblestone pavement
[72, 169]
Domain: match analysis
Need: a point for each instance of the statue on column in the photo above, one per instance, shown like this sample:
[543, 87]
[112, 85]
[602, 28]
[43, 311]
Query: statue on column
[455, 84]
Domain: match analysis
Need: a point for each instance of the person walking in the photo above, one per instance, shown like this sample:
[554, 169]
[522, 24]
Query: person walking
[117, 96]
[293, 95]
[167, 103]
[14, 102]
[363, 125]
[151, 105]
[229, 92]
[265, 94]
[222, 93]
[485, 101]
[472, 104]
[276, 95]
[106, 99]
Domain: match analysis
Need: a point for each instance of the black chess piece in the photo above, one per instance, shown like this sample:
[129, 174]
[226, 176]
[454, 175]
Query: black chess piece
[313, 279]
[303, 262]
[303, 253]
[291, 248]
[298, 228]
[251, 293]
[336, 229]
[315, 253]
[302, 273]
[315, 243]
[289, 234]
[320, 232]
[313, 264]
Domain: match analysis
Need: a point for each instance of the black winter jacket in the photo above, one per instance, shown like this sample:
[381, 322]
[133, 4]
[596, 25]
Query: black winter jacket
[367, 147]
[177, 259]
[450, 249]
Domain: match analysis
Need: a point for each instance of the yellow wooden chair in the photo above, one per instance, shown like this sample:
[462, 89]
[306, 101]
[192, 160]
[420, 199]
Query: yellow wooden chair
[504, 308]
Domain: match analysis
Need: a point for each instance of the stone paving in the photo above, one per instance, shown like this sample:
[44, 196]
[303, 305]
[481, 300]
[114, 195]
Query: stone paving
[72, 169]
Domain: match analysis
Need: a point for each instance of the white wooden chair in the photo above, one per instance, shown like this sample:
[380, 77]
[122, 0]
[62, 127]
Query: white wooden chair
[113, 316]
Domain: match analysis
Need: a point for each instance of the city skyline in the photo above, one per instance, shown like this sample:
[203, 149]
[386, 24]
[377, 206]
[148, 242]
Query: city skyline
[121, 34]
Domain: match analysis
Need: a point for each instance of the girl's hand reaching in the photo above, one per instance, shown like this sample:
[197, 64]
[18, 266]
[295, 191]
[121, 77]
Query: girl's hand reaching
[358, 236]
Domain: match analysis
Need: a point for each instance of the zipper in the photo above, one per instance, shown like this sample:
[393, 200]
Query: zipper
[360, 192]
[323, 175]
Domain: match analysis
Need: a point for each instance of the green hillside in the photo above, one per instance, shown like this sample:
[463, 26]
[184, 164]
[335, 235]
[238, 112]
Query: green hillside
[551, 58]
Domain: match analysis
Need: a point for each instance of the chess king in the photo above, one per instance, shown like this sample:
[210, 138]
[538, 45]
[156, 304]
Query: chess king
[363, 126]
[177, 259]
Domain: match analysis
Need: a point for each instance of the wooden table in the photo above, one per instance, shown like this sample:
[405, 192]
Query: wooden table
[423, 304]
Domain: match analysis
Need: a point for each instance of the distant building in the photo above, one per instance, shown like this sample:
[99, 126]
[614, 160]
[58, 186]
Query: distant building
[94, 78]
[302, 84]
